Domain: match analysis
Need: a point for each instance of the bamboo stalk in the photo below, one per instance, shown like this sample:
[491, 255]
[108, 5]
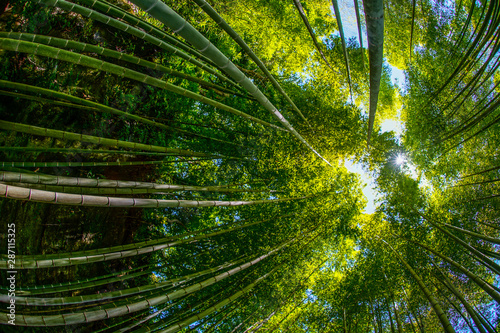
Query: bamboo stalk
[107, 20]
[303, 16]
[77, 164]
[43, 100]
[87, 190]
[474, 234]
[336, 11]
[80, 59]
[166, 15]
[186, 322]
[63, 301]
[20, 193]
[358, 21]
[480, 282]
[448, 284]
[41, 131]
[374, 15]
[99, 107]
[84, 47]
[90, 316]
[80, 151]
[85, 283]
[227, 28]
[115, 252]
[72, 182]
[433, 302]
[109, 8]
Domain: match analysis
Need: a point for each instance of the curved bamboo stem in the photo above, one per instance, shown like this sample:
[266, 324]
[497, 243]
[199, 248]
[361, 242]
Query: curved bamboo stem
[90, 316]
[78, 164]
[87, 190]
[303, 16]
[448, 284]
[80, 151]
[41, 131]
[358, 21]
[6, 176]
[20, 193]
[87, 12]
[166, 15]
[336, 10]
[433, 302]
[84, 47]
[97, 107]
[475, 253]
[108, 8]
[227, 28]
[374, 14]
[63, 301]
[184, 323]
[480, 282]
[116, 252]
[474, 234]
[80, 59]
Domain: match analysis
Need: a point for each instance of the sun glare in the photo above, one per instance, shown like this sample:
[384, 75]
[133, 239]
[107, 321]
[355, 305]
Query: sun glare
[400, 159]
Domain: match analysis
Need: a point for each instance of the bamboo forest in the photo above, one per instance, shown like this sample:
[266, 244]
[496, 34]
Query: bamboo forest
[249, 166]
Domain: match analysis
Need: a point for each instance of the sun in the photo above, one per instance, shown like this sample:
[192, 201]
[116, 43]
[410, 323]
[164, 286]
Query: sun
[400, 159]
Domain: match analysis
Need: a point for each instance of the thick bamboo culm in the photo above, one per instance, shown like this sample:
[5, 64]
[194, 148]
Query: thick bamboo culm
[90, 316]
[72, 182]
